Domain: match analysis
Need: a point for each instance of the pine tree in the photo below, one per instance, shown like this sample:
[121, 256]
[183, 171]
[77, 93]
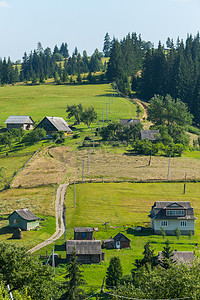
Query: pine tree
[167, 256]
[114, 272]
[107, 45]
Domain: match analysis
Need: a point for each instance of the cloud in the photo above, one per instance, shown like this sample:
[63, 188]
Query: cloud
[4, 4]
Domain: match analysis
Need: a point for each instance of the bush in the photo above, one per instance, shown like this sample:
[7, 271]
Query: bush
[75, 136]
[60, 141]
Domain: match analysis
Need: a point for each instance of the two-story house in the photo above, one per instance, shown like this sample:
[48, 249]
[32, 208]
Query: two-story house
[171, 215]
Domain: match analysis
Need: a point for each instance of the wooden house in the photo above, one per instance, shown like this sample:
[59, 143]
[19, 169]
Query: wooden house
[54, 124]
[87, 251]
[83, 233]
[23, 219]
[128, 122]
[120, 241]
[150, 135]
[171, 215]
[24, 122]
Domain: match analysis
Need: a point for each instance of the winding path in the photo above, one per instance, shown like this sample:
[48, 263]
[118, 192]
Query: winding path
[59, 212]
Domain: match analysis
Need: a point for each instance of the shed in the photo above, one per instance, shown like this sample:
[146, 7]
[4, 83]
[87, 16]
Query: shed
[150, 135]
[83, 233]
[87, 251]
[120, 241]
[128, 122]
[53, 124]
[24, 122]
[23, 219]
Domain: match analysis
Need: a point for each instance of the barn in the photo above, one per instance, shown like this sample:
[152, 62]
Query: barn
[120, 241]
[87, 251]
[23, 219]
[54, 124]
[24, 122]
[83, 233]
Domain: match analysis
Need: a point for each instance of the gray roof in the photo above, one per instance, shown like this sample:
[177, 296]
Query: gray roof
[149, 134]
[128, 122]
[59, 123]
[26, 214]
[83, 246]
[19, 120]
[83, 229]
[159, 208]
[180, 256]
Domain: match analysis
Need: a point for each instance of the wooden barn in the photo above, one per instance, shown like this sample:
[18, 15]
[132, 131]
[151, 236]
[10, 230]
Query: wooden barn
[87, 251]
[83, 233]
[24, 122]
[120, 241]
[128, 122]
[23, 219]
[54, 124]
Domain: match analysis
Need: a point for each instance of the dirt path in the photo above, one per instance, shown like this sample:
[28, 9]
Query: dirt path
[60, 226]
[144, 106]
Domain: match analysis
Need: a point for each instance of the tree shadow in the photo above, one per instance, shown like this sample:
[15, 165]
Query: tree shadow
[143, 232]
[6, 230]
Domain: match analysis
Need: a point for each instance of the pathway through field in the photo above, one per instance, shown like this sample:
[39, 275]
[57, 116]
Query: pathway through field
[60, 226]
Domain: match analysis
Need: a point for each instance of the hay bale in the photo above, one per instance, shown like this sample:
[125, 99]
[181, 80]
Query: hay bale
[17, 234]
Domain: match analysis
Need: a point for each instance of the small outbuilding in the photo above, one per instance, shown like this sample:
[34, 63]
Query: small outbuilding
[120, 241]
[87, 251]
[54, 124]
[185, 257]
[24, 122]
[128, 122]
[150, 135]
[23, 219]
[83, 233]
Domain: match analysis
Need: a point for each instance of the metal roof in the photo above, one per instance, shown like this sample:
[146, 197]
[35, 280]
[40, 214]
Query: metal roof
[19, 120]
[83, 246]
[26, 214]
[128, 122]
[180, 256]
[149, 134]
[59, 123]
[83, 229]
[172, 204]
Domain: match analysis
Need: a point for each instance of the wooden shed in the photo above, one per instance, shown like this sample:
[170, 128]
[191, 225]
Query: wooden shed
[87, 251]
[83, 233]
[120, 241]
[23, 219]
[54, 124]
[24, 122]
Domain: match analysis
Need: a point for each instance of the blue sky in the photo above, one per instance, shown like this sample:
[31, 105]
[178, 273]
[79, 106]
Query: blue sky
[84, 23]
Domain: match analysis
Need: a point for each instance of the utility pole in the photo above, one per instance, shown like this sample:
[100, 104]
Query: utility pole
[150, 157]
[93, 142]
[82, 171]
[88, 161]
[102, 287]
[74, 193]
[53, 259]
[168, 167]
[65, 221]
[109, 105]
[106, 112]
[184, 190]
[98, 127]
[103, 116]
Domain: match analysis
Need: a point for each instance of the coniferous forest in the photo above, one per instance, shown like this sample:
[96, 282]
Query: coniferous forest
[135, 65]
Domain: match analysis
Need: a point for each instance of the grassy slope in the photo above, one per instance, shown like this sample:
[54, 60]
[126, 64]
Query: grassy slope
[52, 100]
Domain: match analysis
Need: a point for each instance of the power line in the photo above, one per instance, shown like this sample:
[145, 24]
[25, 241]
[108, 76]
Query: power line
[92, 295]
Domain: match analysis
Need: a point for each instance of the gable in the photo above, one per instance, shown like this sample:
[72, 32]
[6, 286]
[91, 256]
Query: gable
[174, 205]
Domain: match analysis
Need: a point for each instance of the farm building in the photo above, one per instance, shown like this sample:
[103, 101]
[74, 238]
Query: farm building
[180, 256]
[150, 135]
[23, 219]
[118, 242]
[128, 122]
[53, 124]
[24, 122]
[171, 215]
[87, 251]
[83, 233]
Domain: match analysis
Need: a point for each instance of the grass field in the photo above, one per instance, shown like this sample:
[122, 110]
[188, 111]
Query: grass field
[52, 100]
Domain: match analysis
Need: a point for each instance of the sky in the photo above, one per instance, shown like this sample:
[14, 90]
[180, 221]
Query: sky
[84, 23]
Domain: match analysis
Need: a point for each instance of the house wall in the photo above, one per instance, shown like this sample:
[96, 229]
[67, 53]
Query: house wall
[15, 221]
[87, 258]
[172, 225]
[17, 126]
[83, 235]
[32, 224]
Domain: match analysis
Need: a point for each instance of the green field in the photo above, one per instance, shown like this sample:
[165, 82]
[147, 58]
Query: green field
[52, 100]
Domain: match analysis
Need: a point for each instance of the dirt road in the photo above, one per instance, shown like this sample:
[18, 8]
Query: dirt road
[60, 226]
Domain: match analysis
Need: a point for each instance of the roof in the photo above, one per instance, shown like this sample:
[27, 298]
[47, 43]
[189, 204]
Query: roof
[128, 122]
[83, 246]
[19, 120]
[25, 214]
[108, 241]
[180, 256]
[83, 229]
[119, 236]
[59, 123]
[159, 208]
[149, 134]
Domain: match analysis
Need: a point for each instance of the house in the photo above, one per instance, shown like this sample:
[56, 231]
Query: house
[118, 242]
[83, 233]
[53, 124]
[24, 122]
[128, 122]
[23, 219]
[180, 256]
[150, 135]
[87, 251]
[171, 215]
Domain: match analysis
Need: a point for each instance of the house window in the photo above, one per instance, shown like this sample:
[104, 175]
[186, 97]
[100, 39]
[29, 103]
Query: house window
[175, 212]
[183, 223]
[15, 221]
[163, 223]
[83, 235]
